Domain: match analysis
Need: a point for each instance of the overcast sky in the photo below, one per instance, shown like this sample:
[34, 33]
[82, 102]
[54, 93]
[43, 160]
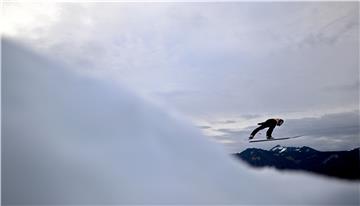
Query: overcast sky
[226, 66]
[72, 140]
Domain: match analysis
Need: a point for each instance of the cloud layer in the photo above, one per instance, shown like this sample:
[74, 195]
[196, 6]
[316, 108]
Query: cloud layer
[209, 60]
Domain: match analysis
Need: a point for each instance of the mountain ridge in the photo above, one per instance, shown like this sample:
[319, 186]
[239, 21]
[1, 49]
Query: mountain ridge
[339, 164]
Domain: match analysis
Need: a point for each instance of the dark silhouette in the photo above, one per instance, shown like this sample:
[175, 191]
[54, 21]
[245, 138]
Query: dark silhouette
[342, 164]
[271, 124]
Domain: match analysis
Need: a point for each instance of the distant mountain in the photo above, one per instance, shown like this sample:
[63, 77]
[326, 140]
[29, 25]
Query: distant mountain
[342, 164]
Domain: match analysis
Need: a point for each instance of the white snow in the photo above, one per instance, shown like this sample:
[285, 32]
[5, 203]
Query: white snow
[68, 139]
[334, 156]
[277, 147]
[282, 150]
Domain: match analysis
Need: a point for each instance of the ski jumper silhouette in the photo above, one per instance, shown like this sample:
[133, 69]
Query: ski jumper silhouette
[271, 124]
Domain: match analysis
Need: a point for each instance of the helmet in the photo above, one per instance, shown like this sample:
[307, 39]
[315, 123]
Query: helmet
[280, 122]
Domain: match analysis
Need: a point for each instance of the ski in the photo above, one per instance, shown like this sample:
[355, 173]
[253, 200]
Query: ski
[274, 139]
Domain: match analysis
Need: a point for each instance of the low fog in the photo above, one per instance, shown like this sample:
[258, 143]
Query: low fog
[71, 139]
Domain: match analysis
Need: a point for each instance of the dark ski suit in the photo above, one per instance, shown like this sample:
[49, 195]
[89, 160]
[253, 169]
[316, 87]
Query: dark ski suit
[271, 123]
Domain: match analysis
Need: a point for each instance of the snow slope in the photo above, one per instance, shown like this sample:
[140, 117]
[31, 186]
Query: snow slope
[69, 139]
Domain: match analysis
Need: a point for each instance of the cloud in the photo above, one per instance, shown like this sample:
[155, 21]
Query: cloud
[330, 125]
[333, 31]
[229, 121]
[346, 87]
[214, 62]
[204, 127]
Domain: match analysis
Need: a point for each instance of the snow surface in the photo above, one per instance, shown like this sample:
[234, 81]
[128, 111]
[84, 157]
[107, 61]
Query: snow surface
[69, 139]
